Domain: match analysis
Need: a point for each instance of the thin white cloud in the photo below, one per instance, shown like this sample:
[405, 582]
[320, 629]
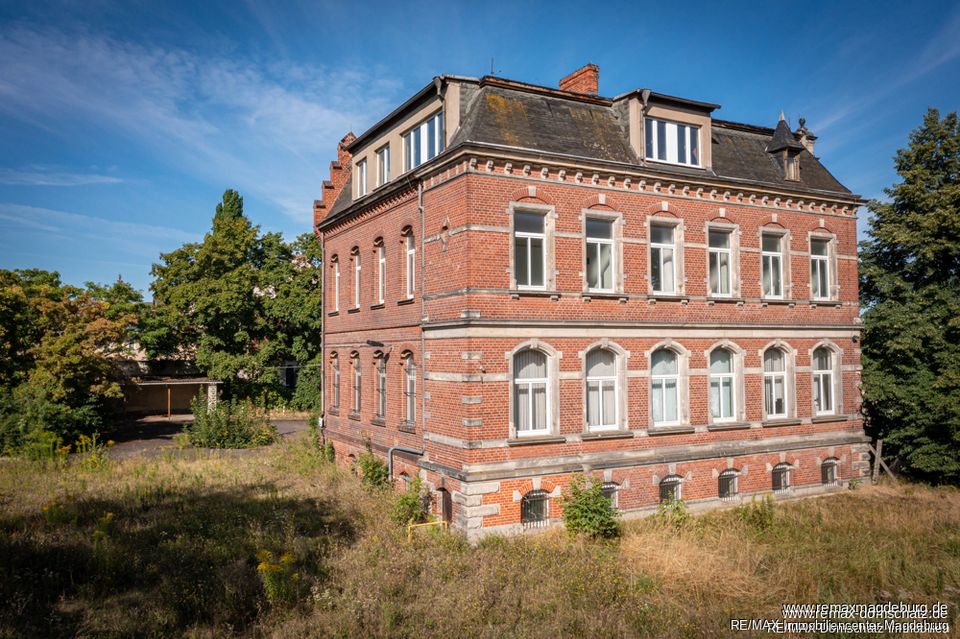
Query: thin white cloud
[48, 176]
[266, 128]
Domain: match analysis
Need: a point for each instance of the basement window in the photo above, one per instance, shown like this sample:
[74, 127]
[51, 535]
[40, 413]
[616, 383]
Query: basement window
[535, 509]
[828, 472]
[670, 489]
[727, 484]
[781, 478]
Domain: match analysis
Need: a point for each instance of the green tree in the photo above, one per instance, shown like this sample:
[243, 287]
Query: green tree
[240, 302]
[587, 511]
[910, 292]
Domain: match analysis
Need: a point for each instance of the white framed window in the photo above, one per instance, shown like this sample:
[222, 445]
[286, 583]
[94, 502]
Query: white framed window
[774, 383]
[670, 489]
[335, 368]
[823, 403]
[727, 484]
[357, 382]
[723, 396]
[720, 256]
[409, 390]
[356, 278]
[423, 142]
[780, 478]
[383, 165]
[672, 142]
[529, 249]
[600, 255]
[535, 509]
[611, 490]
[664, 388]
[381, 387]
[663, 263]
[361, 178]
[381, 272]
[602, 390]
[336, 284]
[772, 264]
[828, 472]
[530, 390]
[410, 270]
[820, 269]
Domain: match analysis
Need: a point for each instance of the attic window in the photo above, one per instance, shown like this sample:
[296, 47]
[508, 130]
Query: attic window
[791, 166]
[423, 142]
[672, 142]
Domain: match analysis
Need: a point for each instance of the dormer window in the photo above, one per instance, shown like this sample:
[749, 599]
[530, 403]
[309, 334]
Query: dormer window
[791, 166]
[672, 142]
[383, 165]
[423, 142]
[361, 178]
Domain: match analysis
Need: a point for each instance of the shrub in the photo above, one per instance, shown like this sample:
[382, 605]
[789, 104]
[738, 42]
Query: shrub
[587, 511]
[411, 507]
[43, 445]
[230, 424]
[757, 514]
[673, 513]
[373, 472]
[329, 452]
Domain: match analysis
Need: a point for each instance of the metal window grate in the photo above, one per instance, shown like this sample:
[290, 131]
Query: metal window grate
[535, 509]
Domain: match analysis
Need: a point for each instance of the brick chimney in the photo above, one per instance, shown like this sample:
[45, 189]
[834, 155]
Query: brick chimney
[586, 79]
[339, 174]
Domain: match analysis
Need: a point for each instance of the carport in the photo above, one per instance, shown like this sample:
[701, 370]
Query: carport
[156, 396]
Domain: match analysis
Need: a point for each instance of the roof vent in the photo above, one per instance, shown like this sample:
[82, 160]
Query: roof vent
[586, 80]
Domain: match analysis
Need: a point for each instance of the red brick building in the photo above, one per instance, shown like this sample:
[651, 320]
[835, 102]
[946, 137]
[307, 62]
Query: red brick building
[524, 283]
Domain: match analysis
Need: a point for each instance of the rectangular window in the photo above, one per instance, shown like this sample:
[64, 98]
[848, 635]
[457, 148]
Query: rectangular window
[423, 142]
[662, 263]
[669, 490]
[820, 269]
[361, 178]
[672, 142]
[528, 244]
[772, 258]
[356, 385]
[411, 265]
[727, 485]
[720, 257]
[600, 266]
[383, 165]
[381, 273]
[410, 392]
[336, 382]
[381, 388]
[356, 280]
[336, 286]
[781, 478]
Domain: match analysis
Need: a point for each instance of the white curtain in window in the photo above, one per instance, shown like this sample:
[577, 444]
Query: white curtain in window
[721, 384]
[530, 373]
[665, 381]
[602, 389]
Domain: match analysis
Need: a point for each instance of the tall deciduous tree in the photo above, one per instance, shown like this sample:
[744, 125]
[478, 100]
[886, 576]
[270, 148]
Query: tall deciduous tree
[240, 303]
[910, 290]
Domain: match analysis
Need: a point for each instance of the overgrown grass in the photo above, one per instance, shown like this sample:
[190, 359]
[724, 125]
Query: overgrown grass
[282, 544]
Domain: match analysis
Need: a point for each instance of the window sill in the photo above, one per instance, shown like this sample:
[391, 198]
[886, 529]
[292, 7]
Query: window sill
[333, 411]
[653, 298]
[670, 430]
[333, 313]
[773, 423]
[404, 302]
[532, 440]
[354, 416]
[407, 427]
[777, 302]
[728, 426]
[603, 295]
[725, 300]
[532, 292]
[377, 306]
[820, 419]
[378, 421]
[609, 434]
[680, 164]
[355, 309]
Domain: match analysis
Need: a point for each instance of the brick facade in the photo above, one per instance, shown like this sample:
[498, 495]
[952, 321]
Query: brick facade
[467, 319]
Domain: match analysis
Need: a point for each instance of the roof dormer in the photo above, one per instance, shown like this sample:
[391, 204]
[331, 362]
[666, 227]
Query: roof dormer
[785, 147]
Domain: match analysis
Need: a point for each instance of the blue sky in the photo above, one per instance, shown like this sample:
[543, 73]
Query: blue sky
[121, 123]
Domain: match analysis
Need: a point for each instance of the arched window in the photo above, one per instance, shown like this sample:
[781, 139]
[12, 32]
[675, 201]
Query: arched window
[727, 484]
[335, 368]
[357, 382]
[381, 271]
[611, 491]
[535, 509]
[602, 392]
[781, 477]
[356, 277]
[381, 386]
[664, 388]
[530, 392]
[410, 270]
[336, 283]
[823, 400]
[409, 390]
[774, 383]
[828, 472]
[670, 489]
[722, 388]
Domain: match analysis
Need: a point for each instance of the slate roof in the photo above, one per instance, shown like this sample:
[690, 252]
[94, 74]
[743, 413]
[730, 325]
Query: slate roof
[548, 121]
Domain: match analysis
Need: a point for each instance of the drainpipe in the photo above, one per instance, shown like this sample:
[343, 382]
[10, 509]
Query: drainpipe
[423, 360]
